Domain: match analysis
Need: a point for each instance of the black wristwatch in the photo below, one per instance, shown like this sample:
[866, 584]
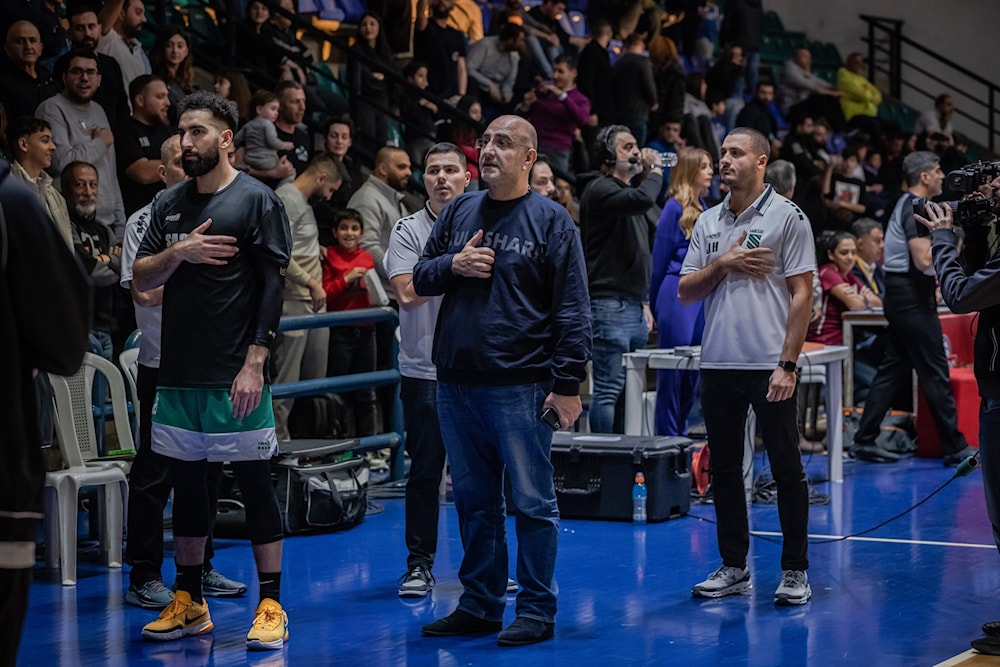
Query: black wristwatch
[789, 366]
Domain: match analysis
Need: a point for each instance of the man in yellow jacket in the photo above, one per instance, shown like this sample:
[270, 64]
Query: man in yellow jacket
[860, 96]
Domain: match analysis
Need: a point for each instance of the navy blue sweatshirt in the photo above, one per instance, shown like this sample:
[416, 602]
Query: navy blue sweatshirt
[530, 321]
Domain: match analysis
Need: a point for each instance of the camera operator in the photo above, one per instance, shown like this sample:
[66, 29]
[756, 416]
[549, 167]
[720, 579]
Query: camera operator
[914, 339]
[976, 287]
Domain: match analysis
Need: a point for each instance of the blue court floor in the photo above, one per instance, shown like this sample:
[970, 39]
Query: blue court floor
[912, 593]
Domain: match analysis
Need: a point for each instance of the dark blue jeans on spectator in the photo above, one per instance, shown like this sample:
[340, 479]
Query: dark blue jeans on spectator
[725, 396]
[487, 430]
[989, 457]
[619, 327]
[427, 455]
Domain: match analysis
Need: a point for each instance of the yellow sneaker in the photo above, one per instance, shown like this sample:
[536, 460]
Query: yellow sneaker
[270, 627]
[181, 618]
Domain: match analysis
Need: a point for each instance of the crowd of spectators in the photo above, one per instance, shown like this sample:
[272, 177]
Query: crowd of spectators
[86, 109]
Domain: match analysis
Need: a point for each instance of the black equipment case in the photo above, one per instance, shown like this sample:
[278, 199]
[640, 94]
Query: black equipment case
[321, 485]
[594, 475]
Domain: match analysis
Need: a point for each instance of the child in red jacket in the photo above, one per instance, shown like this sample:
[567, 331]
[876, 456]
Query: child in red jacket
[352, 348]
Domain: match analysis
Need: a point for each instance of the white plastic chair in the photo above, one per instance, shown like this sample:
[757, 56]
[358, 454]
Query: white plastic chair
[77, 444]
[129, 362]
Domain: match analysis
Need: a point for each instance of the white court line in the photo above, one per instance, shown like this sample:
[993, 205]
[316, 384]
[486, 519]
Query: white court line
[887, 540]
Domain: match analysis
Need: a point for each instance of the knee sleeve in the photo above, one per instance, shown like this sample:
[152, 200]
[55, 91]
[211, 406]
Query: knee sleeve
[262, 514]
[190, 498]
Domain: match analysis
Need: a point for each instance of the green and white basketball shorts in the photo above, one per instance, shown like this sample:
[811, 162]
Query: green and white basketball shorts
[193, 424]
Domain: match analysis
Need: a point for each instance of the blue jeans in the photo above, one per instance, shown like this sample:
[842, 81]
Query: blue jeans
[485, 430]
[619, 327]
[423, 443]
[989, 440]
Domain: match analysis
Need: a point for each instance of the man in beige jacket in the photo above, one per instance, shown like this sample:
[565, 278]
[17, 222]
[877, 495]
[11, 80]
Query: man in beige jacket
[32, 148]
[301, 355]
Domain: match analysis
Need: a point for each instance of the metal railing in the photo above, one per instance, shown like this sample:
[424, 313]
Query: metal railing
[342, 383]
[904, 61]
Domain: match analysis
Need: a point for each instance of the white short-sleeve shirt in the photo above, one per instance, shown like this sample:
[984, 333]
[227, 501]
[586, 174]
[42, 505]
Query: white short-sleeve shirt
[746, 318]
[416, 327]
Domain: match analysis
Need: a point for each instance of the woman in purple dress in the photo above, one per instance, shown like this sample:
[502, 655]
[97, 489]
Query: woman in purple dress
[678, 324]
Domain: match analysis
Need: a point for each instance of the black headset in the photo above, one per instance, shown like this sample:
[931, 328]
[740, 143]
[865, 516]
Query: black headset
[605, 144]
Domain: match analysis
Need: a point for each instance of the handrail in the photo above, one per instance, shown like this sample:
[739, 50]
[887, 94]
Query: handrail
[341, 383]
[892, 29]
[341, 44]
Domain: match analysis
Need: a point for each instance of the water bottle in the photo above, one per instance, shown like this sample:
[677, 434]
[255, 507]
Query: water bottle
[669, 159]
[639, 500]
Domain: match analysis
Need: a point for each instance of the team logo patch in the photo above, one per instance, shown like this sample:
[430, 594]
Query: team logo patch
[753, 241]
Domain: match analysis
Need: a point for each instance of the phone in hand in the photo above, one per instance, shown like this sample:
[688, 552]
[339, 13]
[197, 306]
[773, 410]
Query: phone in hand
[551, 419]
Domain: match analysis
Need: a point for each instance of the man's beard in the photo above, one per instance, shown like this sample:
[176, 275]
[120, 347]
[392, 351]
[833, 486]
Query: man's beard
[86, 211]
[87, 44]
[203, 164]
[441, 13]
[398, 184]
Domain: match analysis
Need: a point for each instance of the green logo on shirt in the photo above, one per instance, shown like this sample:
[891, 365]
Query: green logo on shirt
[753, 241]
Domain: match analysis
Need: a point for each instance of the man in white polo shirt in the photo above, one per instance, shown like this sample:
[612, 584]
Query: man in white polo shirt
[446, 177]
[751, 259]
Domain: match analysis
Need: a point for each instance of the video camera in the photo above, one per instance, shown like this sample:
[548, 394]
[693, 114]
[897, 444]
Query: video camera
[975, 208]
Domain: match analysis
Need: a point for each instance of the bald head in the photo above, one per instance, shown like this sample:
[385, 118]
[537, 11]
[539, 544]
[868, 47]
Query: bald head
[23, 44]
[172, 169]
[520, 127]
[510, 148]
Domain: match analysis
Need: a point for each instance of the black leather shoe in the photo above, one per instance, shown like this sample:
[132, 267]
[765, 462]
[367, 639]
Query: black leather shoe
[952, 460]
[524, 631]
[991, 629]
[987, 645]
[873, 454]
[460, 622]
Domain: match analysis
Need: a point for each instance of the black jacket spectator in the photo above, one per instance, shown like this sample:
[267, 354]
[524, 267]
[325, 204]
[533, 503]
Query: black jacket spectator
[633, 89]
[743, 24]
[19, 93]
[440, 48]
[594, 79]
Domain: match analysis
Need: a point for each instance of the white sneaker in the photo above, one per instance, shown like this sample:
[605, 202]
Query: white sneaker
[724, 581]
[794, 588]
[417, 583]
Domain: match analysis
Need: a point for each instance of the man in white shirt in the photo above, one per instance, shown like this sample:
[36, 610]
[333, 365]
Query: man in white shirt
[446, 177]
[751, 259]
[121, 24]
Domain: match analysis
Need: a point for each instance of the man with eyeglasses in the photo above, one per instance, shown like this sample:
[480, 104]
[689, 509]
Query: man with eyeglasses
[81, 133]
[85, 33]
[511, 346]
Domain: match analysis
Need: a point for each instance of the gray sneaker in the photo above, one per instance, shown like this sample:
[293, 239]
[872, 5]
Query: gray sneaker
[794, 588]
[151, 595]
[216, 585]
[724, 581]
[417, 583]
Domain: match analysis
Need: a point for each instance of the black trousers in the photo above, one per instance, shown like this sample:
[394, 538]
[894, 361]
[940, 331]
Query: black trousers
[353, 350]
[913, 342]
[427, 455]
[150, 483]
[14, 585]
[725, 396]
